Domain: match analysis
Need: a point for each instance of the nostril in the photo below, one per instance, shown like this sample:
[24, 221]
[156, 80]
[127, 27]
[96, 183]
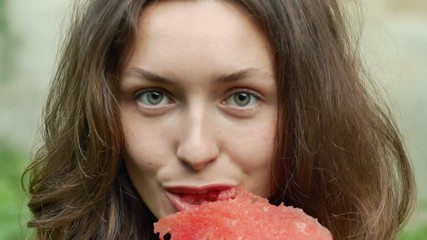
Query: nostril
[197, 157]
[197, 163]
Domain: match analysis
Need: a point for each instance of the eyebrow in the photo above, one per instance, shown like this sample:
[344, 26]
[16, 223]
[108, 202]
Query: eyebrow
[140, 73]
[147, 75]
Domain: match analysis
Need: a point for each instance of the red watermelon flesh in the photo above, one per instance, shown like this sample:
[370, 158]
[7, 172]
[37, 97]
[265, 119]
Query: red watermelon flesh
[240, 215]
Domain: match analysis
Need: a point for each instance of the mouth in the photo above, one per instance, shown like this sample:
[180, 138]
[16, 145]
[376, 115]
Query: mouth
[184, 197]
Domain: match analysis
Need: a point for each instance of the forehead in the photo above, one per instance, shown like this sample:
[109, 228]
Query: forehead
[198, 21]
[198, 39]
[189, 17]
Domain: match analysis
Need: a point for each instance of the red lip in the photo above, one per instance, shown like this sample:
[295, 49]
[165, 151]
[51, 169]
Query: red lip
[187, 197]
[198, 189]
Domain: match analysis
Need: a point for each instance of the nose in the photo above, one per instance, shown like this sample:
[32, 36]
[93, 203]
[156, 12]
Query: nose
[197, 146]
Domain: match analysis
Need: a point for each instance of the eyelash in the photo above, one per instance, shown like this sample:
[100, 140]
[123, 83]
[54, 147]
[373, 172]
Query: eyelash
[167, 101]
[164, 94]
[254, 96]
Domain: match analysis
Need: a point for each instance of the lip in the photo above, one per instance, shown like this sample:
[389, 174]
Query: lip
[188, 197]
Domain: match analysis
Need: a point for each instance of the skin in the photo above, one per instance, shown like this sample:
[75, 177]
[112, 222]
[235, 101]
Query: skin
[198, 101]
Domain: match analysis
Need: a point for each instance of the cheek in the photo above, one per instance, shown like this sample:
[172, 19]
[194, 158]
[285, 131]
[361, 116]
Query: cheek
[253, 153]
[255, 148]
[144, 147]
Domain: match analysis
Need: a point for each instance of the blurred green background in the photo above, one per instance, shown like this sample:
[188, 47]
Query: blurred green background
[394, 41]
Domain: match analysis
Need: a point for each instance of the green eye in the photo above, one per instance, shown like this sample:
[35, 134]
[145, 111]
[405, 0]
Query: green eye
[153, 98]
[242, 99]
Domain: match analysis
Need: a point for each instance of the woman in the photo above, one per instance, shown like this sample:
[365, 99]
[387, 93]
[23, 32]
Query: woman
[156, 103]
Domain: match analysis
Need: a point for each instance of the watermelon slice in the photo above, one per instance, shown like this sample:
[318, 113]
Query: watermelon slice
[240, 215]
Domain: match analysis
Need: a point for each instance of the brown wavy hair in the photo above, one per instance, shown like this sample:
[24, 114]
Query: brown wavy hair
[338, 154]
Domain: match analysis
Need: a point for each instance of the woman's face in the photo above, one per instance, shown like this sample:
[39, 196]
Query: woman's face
[198, 105]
